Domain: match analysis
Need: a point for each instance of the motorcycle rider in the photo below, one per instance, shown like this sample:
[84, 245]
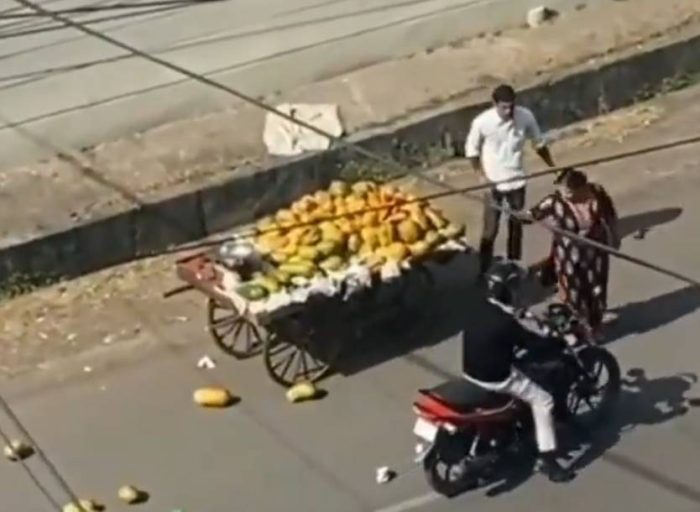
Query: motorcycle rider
[488, 356]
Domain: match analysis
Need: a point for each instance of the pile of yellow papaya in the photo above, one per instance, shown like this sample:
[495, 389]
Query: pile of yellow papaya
[323, 232]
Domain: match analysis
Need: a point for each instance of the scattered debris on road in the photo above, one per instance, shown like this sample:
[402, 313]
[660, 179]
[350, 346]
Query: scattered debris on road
[539, 16]
[206, 363]
[18, 450]
[84, 505]
[214, 397]
[302, 392]
[132, 495]
[385, 475]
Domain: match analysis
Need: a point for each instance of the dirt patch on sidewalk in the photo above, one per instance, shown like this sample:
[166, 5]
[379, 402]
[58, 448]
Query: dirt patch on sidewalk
[75, 188]
[120, 303]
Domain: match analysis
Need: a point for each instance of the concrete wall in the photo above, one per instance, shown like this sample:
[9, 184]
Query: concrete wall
[60, 85]
[254, 192]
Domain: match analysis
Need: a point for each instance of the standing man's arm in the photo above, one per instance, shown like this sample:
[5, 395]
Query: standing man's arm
[540, 143]
[472, 146]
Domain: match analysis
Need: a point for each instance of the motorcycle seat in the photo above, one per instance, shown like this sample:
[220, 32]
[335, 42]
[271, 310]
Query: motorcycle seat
[464, 396]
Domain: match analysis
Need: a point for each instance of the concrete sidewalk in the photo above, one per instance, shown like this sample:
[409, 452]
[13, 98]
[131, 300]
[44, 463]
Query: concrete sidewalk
[83, 211]
[76, 91]
[131, 420]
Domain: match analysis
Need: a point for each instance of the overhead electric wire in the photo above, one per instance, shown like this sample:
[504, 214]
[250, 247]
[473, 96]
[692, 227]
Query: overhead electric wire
[9, 412]
[446, 193]
[337, 141]
[35, 480]
[87, 9]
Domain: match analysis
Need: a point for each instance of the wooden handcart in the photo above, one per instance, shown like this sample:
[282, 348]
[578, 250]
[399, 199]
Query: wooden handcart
[303, 341]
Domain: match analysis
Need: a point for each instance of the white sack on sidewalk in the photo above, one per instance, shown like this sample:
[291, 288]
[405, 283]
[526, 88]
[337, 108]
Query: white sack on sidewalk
[284, 138]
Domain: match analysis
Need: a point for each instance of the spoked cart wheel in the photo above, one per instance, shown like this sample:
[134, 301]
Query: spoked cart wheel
[293, 354]
[234, 333]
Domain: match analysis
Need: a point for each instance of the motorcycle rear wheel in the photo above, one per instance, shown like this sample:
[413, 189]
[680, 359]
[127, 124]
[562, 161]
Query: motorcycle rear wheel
[590, 401]
[448, 478]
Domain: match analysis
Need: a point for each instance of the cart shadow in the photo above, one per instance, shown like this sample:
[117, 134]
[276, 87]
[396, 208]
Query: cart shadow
[432, 318]
[644, 402]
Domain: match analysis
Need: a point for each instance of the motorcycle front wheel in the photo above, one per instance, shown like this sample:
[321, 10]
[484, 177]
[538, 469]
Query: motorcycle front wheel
[594, 393]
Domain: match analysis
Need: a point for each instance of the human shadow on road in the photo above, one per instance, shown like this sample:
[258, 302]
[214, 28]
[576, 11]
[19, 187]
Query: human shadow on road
[643, 402]
[646, 315]
[639, 224]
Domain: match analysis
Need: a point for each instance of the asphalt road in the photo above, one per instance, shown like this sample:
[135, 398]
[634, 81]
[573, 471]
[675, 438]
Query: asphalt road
[131, 419]
[135, 423]
[72, 90]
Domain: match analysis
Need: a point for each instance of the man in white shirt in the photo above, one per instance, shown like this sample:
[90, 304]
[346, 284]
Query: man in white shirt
[495, 148]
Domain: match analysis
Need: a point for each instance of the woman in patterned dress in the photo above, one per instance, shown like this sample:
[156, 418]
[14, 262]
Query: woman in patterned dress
[581, 270]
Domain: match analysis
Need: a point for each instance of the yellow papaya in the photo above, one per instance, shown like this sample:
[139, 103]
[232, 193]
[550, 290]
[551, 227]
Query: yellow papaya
[386, 234]
[269, 283]
[345, 226]
[387, 192]
[374, 261]
[213, 397]
[396, 251]
[299, 268]
[270, 242]
[285, 215]
[339, 189]
[300, 392]
[17, 450]
[409, 231]
[374, 200]
[282, 277]
[370, 236]
[332, 263]
[397, 216]
[452, 231]
[435, 217]
[322, 197]
[294, 235]
[370, 218]
[132, 495]
[278, 257]
[362, 188]
[308, 252]
[417, 216]
[289, 250]
[419, 249]
[433, 239]
[311, 236]
[265, 223]
[354, 243]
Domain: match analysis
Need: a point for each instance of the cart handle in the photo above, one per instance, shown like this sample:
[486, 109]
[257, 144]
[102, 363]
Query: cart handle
[178, 290]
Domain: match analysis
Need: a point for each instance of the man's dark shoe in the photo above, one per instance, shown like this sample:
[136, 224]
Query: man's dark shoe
[554, 470]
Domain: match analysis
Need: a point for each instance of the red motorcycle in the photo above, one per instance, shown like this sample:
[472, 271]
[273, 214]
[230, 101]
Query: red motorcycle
[466, 432]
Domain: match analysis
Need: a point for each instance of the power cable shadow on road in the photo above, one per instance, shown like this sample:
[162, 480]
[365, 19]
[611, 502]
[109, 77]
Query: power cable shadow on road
[643, 402]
